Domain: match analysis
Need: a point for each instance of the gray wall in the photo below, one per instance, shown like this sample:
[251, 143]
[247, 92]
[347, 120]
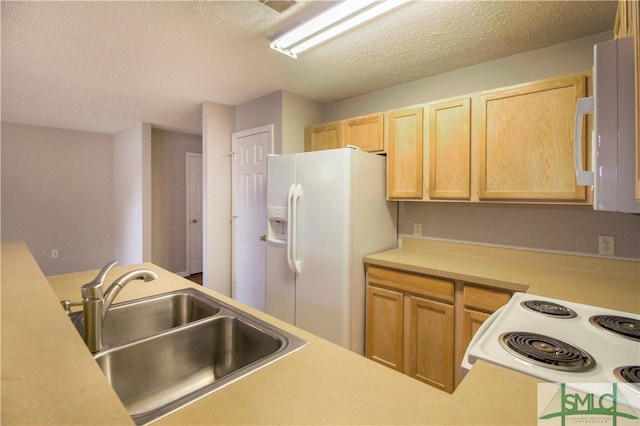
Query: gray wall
[289, 113]
[542, 227]
[169, 221]
[57, 193]
[261, 112]
[558, 228]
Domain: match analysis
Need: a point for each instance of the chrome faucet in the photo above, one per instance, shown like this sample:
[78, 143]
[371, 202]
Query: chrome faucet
[96, 302]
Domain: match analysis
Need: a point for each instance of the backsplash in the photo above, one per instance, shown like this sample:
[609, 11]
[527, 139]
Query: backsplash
[562, 228]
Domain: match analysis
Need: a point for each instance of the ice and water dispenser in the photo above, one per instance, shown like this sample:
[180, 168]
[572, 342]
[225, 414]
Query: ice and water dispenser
[277, 228]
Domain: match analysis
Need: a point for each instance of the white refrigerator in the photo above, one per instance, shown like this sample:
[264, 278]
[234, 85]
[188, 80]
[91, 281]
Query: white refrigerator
[326, 211]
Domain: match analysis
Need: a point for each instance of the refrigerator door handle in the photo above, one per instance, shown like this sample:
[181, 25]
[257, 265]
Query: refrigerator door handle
[290, 226]
[297, 264]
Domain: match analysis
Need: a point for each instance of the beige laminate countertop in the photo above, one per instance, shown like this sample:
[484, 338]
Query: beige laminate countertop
[49, 376]
[608, 283]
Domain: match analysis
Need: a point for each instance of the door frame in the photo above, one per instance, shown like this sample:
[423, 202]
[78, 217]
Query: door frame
[269, 128]
[188, 215]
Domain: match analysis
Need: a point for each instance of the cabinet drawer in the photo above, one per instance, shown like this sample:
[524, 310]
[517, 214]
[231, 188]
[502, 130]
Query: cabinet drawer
[485, 299]
[435, 288]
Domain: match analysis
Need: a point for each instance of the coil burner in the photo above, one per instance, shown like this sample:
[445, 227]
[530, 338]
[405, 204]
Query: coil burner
[629, 374]
[621, 326]
[546, 351]
[549, 308]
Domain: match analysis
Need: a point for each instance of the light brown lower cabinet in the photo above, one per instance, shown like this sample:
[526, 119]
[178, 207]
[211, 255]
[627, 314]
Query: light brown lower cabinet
[385, 313]
[430, 342]
[410, 324]
[421, 325]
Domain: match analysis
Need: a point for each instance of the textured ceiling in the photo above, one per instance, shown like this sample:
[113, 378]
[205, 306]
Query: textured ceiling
[102, 66]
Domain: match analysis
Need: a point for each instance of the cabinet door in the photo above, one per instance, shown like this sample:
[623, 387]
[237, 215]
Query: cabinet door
[404, 156]
[430, 345]
[472, 322]
[384, 327]
[450, 149]
[525, 141]
[479, 304]
[323, 136]
[367, 133]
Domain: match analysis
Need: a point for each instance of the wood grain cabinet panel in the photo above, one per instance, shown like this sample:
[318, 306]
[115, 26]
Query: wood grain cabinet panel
[404, 156]
[367, 133]
[421, 325]
[450, 149]
[525, 141]
[323, 136]
[485, 299]
[432, 287]
[472, 322]
[407, 330]
[479, 304]
[384, 323]
[430, 345]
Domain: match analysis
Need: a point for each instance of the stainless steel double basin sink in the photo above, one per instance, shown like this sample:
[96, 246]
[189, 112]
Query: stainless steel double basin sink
[164, 352]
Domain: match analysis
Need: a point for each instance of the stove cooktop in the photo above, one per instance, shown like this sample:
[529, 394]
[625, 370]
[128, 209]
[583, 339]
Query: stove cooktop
[556, 332]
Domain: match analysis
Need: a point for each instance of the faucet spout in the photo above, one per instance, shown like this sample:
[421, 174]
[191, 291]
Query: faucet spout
[96, 301]
[115, 288]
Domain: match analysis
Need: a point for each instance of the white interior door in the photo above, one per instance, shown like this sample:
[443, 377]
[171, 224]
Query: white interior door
[194, 213]
[249, 193]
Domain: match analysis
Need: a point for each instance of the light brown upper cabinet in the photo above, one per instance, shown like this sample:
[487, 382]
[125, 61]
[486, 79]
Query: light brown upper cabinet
[450, 149]
[404, 156]
[367, 133]
[525, 141]
[323, 136]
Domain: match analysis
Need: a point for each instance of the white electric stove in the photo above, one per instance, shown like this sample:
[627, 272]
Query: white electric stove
[560, 341]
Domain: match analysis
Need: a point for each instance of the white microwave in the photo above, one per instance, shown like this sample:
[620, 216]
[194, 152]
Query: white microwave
[613, 106]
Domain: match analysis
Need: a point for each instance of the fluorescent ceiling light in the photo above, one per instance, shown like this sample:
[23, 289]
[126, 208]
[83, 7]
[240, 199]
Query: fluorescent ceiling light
[334, 21]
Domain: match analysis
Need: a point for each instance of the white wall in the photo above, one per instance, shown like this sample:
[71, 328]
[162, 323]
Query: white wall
[57, 193]
[132, 194]
[217, 126]
[572, 229]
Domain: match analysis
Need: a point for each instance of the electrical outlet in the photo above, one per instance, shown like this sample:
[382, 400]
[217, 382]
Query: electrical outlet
[54, 253]
[606, 245]
[417, 230]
